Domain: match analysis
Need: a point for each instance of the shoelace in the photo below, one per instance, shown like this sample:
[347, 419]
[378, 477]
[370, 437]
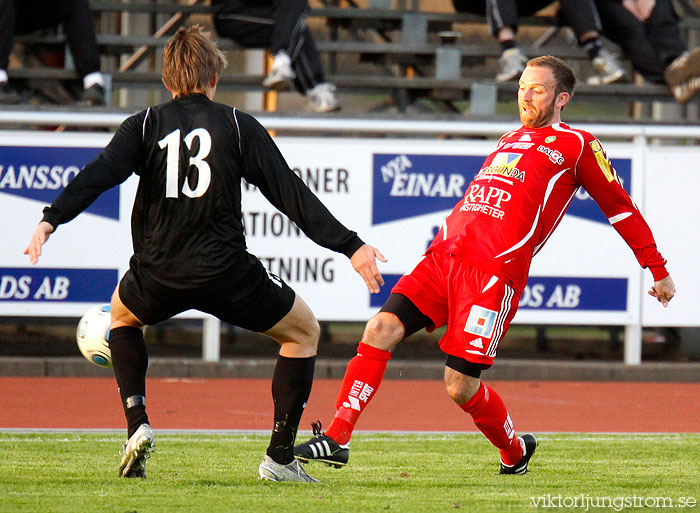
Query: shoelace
[316, 428]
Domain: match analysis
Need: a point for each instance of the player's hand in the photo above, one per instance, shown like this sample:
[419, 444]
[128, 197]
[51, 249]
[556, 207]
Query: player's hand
[41, 235]
[364, 262]
[663, 290]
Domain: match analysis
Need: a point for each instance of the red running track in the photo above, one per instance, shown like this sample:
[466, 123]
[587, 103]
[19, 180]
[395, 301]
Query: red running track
[400, 405]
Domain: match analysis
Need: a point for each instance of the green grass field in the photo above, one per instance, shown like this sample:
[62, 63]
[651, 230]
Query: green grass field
[76, 472]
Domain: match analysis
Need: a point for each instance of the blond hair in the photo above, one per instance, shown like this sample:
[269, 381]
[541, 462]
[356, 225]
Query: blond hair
[191, 61]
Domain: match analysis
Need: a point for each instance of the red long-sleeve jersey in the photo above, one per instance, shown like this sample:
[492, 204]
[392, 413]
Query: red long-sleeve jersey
[521, 193]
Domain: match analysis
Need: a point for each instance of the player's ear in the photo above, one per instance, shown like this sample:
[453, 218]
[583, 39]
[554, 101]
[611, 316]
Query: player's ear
[562, 99]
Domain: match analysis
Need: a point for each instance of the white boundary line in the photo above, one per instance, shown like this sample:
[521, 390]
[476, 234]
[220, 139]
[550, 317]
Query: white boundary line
[257, 432]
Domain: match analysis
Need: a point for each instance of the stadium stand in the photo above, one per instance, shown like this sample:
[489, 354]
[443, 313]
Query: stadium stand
[395, 58]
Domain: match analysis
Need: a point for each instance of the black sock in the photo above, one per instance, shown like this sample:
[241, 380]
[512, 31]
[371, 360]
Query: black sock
[291, 386]
[130, 361]
[592, 47]
[507, 44]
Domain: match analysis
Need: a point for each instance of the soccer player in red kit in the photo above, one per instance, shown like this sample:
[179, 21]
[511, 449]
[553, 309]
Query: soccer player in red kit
[472, 275]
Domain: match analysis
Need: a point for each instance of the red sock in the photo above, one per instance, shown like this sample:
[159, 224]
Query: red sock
[491, 417]
[362, 378]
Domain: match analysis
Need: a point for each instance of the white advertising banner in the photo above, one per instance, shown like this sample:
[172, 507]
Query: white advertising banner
[672, 178]
[393, 192]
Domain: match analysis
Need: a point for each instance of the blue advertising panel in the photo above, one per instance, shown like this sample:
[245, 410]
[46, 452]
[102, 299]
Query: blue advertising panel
[34, 284]
[569, 293]
[409, 185]
[41, 173]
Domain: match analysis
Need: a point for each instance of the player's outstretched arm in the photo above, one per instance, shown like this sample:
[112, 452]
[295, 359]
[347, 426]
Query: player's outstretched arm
[364, 262]
[41, 235]
[663, 290]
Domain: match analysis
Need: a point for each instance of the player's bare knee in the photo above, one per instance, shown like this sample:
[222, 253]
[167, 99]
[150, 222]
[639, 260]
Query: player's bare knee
[461, 388]
[383, 331]
[312, 333]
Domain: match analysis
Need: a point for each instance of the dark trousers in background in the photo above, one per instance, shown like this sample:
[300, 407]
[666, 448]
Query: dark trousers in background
[580, 15]
[277, 25]
[650, 45]
[25, 16]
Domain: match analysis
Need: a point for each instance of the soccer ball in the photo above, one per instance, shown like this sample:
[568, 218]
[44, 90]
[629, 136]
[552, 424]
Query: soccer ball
[92, 335]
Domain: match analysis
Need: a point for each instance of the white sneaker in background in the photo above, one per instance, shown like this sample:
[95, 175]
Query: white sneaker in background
[606, 69]
[511, 64]
[322, 98]
[281, 73]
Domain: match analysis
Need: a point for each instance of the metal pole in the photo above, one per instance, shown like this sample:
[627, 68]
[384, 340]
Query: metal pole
[211, 339]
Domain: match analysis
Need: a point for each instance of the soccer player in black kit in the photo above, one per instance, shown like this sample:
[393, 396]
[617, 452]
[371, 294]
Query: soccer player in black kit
[189, 246]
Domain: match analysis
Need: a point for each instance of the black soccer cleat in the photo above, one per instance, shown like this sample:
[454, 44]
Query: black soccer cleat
[322, 448]
[529, 443]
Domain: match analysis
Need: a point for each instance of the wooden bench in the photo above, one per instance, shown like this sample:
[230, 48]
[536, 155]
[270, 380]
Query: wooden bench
[405, 43]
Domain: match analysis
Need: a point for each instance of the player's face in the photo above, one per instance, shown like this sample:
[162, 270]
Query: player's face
[537, 101]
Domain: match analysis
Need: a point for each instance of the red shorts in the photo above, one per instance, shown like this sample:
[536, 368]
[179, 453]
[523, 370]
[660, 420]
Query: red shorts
[476, 306]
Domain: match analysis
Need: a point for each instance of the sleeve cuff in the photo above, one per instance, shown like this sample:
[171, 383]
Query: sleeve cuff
[52, 216]
[658, 271]
[353, 245]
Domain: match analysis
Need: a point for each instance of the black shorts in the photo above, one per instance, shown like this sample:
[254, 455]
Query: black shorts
[248, 297]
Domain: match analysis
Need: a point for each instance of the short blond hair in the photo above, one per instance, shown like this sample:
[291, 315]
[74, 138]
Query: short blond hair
[191, 61]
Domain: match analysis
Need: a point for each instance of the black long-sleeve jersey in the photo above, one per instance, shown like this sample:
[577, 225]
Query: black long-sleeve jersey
[190, 154]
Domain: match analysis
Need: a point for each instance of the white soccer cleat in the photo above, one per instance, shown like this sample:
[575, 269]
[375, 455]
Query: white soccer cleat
[270, 470]
[136, 450]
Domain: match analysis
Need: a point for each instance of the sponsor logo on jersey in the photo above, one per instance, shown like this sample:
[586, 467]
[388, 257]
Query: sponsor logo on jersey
[387, 207]
[602, 160]
[481, 321]
[41, 173]
[554, 155]
[551, 139]
[408, 185]
[525, 137]
[585, 207]
[503, 164]
[518, 145]
[485, 199]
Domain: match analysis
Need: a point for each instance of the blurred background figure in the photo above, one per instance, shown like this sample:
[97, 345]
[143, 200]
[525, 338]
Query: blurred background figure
[280, 27]
[74, 18]
[580, 15]
[649, 35]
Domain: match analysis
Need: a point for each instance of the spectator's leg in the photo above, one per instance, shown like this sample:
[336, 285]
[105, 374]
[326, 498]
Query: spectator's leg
[289, 23]
[664, 32]
[622, 27]
[582, 16]
[307, 63]
[80, 34]
[471, 6]
[291, 35]
[502, 14]
[7, 31]
[585, 20]
[250, 27]
[502, 17]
